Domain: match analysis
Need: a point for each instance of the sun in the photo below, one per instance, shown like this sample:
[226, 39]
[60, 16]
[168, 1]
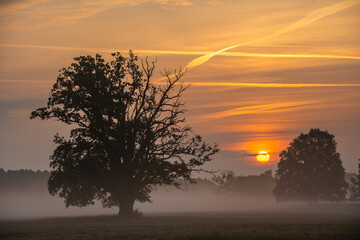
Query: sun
[263, 157]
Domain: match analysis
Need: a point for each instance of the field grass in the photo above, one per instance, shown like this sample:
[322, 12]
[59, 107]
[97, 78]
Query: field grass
[296, 223]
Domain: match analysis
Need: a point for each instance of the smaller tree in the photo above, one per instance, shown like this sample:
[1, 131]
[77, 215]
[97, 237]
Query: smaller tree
[355, 186]
[311, 170]
[223, 179]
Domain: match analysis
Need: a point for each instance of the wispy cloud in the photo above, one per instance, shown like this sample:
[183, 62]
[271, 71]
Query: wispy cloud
[170, 52]
[253, 128]
[15, 6]
[176, 3]
[24, 81]
[254, 109]
[222, 84]
[43, 12]
[308, 19]
[273, 85]
[227, 84]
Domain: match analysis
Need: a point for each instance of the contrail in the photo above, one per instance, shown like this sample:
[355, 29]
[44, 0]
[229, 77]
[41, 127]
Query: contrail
[272, 85]
[266, 55]
[169, 52]
[24, 81]
[308, 19]
[224, 84]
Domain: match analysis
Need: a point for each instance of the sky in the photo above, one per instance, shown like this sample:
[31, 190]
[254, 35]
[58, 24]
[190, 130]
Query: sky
[261, 71]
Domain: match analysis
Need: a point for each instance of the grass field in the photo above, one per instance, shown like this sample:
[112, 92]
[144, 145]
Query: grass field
[312, 222]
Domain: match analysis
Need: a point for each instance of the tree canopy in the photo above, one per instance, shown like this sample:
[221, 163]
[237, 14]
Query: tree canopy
[130, 133]
[311, 170]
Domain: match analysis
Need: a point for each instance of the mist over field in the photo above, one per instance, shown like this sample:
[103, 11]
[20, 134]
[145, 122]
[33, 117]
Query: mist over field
[30, 199]
[27, 197]
[34, 205]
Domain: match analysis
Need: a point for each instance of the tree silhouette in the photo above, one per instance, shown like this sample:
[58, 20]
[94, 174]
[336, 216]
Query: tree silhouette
[355, 186]
[311, 170]
[223, 179]
[130, 134]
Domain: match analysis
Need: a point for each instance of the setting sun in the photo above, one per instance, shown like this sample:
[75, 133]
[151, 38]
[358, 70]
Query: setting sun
[263, 157]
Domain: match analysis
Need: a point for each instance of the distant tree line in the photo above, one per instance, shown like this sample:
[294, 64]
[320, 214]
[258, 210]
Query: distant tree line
[252, 185]
[29, 180]
[23, 180]
[225, 182]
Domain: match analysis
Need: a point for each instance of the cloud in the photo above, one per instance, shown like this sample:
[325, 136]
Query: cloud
[176, 3]
[170, 52]
[14, 6]
[36, 13]
[240, 153]
[264, 108]
[227, 84]
[24, 81]
[40, 12]
[308, 19]
[273, 85]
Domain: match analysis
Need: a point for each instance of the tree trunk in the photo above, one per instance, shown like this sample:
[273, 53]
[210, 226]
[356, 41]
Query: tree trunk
[126, 207]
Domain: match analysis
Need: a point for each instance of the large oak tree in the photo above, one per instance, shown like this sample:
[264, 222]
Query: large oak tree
[129, 134]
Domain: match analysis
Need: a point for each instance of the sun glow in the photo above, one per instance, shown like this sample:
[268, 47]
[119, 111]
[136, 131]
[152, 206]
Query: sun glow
[263, 157]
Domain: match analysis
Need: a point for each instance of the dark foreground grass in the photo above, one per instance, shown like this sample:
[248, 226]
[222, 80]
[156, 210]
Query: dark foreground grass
[267, 224]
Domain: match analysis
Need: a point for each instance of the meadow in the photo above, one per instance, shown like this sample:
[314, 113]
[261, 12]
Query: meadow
[321, 221]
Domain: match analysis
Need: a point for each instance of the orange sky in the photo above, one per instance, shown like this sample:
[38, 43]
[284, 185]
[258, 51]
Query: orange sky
[262, 71]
